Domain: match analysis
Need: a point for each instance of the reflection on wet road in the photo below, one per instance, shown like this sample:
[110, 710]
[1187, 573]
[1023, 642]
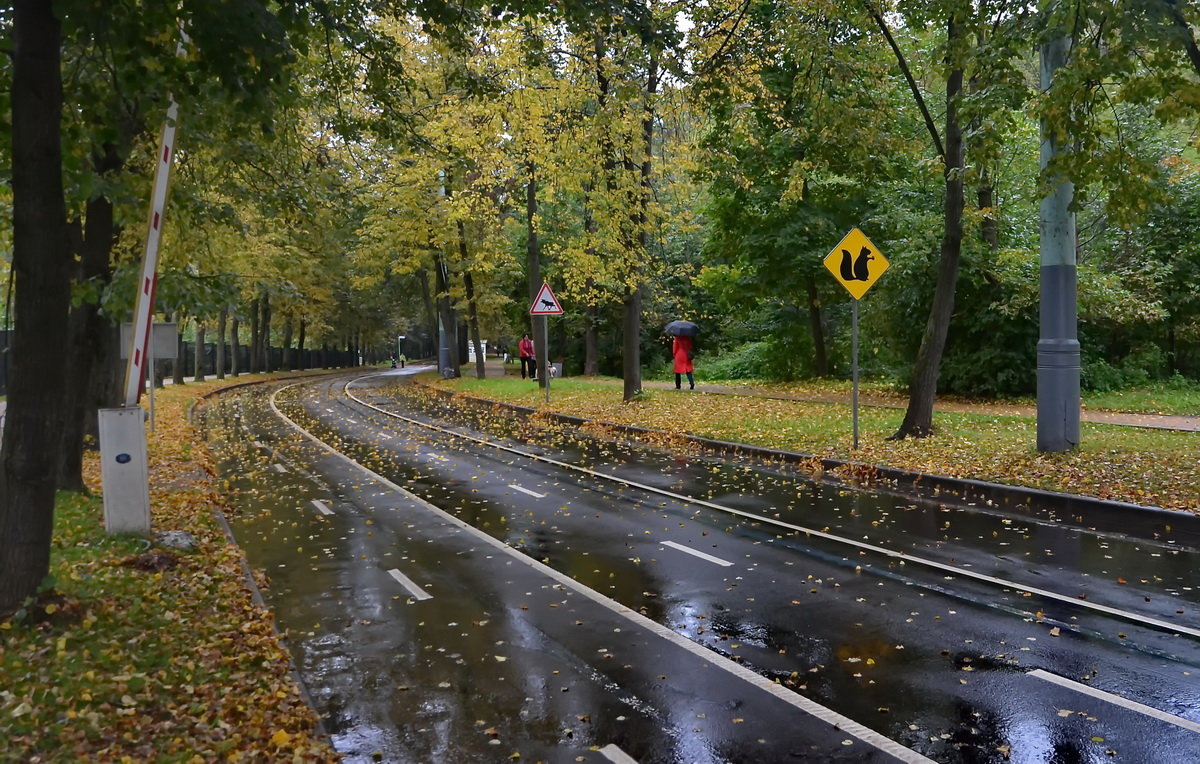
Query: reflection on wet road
[423, 641]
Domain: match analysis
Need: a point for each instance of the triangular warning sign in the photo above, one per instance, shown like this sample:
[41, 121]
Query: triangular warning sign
[545, 304]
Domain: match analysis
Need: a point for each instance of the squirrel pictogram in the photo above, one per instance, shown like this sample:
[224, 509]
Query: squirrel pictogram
[856, 269]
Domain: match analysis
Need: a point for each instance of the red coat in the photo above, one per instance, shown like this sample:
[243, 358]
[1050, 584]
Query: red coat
[680, 349]
[525, 348]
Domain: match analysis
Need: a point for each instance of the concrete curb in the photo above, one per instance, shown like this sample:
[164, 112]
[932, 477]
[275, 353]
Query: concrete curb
[1092, 513]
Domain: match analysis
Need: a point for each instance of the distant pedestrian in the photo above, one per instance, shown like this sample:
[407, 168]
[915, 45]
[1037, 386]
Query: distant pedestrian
[403, 358]
[681, 349]
[525, 350]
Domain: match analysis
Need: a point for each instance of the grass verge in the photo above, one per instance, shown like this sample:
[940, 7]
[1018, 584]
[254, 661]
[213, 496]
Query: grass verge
[139, 654]
[1153, 467]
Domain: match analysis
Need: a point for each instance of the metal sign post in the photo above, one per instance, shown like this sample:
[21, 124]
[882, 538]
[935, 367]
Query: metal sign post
[857, 264]
[854, 366]
[545, 304]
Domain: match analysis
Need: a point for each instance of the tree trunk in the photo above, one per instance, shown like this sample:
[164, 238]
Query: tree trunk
[918, 419]
[817, 327]
[255, 338]
[222, 320]
[235, 346]
[303, 362]
[41, 258]
[989, 226]
[200, 355]
[180, 349]
[633, 297]
[430, 308]
[89, 350]
[473, 322]
[266, 362]
[448, 315]
[591, 351]
[289, 361]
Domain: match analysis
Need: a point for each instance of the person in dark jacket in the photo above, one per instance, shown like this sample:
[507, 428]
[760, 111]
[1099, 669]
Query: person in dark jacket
[681, 349]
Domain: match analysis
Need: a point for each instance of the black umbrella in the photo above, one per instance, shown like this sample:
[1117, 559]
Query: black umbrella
[682, 329]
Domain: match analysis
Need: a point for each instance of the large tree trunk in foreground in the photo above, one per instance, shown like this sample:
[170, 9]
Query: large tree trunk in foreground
[41, 256]
[918, 419]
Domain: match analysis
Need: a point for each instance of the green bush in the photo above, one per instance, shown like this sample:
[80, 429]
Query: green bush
[753, 360]
[1100, 377]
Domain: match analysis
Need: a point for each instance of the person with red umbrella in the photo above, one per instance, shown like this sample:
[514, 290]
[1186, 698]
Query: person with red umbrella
[682, 350]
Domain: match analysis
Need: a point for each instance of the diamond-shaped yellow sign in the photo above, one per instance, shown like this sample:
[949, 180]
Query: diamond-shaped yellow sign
[856, 263]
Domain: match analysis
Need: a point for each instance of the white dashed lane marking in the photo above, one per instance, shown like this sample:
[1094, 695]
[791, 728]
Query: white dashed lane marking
[322, 507]
[417, 592]
[697, 553]
[534, 494]
[1116, 700]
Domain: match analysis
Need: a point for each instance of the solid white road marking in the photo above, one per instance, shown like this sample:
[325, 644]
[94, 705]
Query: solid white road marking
[534, 494]
[322, 507]
[828, 715]
[613, 753]
[696, 553]
[1117, 700]
[351, 421]
[417, 592]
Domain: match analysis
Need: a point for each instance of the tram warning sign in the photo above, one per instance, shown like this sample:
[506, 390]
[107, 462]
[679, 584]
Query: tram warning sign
[856, 263]
[545, 304]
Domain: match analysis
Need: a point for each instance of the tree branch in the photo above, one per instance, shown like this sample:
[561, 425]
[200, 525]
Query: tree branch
[912, 83]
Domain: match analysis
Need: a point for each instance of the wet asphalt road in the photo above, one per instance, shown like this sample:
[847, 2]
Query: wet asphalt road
[559, 617]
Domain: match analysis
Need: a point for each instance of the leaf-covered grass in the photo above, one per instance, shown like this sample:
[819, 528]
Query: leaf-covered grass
[1154, 467]
[118, 660]
[1175, 397]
